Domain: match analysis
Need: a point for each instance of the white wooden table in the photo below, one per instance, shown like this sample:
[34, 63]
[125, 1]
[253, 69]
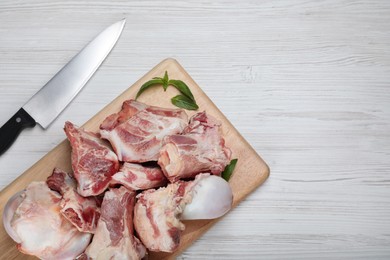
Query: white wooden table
[307, 83]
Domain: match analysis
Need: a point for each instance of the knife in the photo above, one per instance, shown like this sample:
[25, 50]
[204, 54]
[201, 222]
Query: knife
[58, 92]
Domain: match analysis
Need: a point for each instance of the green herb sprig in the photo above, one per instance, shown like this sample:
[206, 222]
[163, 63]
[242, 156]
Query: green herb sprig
[185, 100]
[227, 173]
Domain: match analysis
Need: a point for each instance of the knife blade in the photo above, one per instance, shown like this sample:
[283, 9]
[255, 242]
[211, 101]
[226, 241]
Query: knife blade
[59, 91]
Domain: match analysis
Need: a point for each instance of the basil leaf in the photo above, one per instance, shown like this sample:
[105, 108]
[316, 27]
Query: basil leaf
[227, 173]
[148, 84]
[165, 80]
[184, 102]
[182, 87]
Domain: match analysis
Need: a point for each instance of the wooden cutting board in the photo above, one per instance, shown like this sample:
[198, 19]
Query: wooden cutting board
[251, 171]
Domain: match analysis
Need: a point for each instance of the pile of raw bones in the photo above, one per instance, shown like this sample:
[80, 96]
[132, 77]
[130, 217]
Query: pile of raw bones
[131, 186]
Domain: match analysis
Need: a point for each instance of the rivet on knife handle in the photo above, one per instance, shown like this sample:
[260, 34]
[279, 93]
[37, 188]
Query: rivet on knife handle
[10, 130]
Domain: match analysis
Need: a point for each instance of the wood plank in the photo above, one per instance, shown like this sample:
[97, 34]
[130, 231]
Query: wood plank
[251, 171]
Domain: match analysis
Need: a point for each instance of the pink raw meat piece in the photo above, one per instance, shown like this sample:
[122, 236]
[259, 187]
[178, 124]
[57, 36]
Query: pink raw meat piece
[137, 177]
[93, 161]
[157, 214]
[114, 237]
[136, 132]
[82, 212]
[129, 109]
[156, 217]
[42, 229]
[201, 148]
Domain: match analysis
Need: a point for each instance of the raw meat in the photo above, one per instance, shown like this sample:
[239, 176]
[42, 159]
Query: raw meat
[137, 177]
[43, 230]
[60, 181]
[93, 162]
[114, 237]
[200, 148]
[137, 130]
[156, 217]
[157, 214]
[129, 109]
[82, 212]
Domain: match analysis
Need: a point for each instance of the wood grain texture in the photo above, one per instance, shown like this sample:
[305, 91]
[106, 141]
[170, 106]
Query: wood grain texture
[305, 82]
[250, 171]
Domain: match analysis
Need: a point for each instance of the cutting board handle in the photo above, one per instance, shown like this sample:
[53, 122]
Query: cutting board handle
[10, 130]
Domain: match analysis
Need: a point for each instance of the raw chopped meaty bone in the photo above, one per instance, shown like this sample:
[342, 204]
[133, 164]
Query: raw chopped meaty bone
[82, 212]
[114, 237]
[137, 177]
[137, 130]
[156, 217]
[43, 230]
[93, 162]
[157, 214]
[201, 148]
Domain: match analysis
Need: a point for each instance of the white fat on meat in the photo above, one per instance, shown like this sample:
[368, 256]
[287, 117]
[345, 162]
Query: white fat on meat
[136, 132]
[82, 212]
[93, 161]
[114, 237]
[138, 177]
[42, 229]
[201, 148]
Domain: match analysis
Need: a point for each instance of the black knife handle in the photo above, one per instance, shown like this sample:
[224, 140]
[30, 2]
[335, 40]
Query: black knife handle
[10, 130]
